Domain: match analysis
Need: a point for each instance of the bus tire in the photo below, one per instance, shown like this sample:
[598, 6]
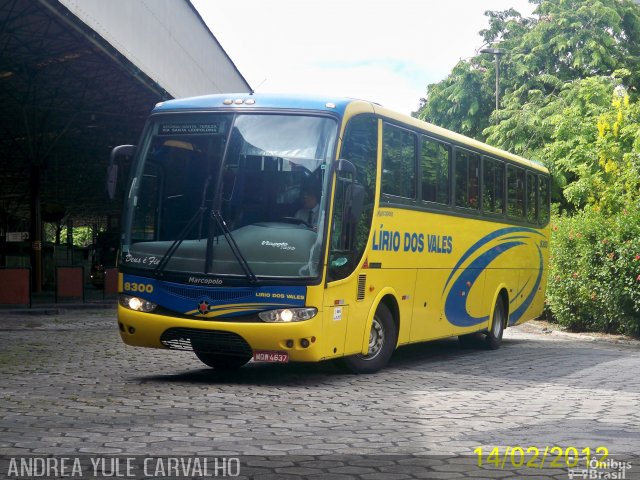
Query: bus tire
[494, 335]
[382, 342]
[222, 362]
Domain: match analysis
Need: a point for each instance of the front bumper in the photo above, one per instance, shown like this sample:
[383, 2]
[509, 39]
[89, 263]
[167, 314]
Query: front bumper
[161, 331]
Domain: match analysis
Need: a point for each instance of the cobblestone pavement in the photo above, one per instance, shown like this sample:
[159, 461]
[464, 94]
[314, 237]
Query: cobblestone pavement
[69, 386]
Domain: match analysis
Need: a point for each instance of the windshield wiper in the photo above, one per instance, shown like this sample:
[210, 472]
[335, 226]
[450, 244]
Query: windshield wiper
[185, 231]
[242, 261]
[178, 241]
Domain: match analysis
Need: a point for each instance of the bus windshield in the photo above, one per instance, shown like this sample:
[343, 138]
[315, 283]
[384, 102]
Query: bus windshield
[230, 194]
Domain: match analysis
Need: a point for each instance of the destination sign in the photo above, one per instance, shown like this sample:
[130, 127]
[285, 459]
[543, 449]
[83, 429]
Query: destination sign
[188, 128]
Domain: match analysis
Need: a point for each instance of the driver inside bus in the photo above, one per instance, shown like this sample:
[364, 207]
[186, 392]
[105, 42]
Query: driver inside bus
[310, 206]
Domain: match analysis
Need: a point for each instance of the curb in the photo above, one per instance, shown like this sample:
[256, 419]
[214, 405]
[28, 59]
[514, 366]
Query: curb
[544, 327]
[57, 309]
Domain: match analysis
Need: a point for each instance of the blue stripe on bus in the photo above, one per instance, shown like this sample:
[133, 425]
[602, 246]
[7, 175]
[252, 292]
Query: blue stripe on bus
[519, 312]
[455, 307]
[202, 300]
[483, 241]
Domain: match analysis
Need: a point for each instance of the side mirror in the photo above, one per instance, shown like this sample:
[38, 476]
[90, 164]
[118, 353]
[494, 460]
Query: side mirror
[115, 160]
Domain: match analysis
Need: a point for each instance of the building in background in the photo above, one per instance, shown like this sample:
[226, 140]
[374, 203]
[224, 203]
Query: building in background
[78, 77]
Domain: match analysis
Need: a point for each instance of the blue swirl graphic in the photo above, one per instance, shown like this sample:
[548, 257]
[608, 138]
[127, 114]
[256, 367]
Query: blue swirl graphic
[517, 313]
[455, 306]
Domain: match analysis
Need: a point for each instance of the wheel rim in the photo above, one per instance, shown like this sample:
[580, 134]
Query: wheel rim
[376, 340]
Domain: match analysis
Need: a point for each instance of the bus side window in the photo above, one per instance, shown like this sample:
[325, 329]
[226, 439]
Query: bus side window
[544, 199]
[493, 186]
[515, 192]
[434, 162]
[398, 162]
[532, 197]
[467, 171]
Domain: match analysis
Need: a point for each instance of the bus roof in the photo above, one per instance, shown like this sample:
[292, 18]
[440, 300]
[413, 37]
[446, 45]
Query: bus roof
[258, 100]
[336, 105]
[457, 137]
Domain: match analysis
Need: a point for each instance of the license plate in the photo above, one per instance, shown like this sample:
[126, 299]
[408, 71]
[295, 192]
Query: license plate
[270, 356]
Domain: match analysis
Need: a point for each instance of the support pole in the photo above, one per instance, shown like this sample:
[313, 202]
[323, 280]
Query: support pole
[497, 57]
[36, 228]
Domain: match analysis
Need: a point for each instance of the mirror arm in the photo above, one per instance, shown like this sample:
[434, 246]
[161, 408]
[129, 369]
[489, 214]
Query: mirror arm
[345, 166]
[121, 150]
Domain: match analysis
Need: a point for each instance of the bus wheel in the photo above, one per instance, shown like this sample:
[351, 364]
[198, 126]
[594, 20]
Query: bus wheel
[222, 362]
[382, 343]
[494, 335]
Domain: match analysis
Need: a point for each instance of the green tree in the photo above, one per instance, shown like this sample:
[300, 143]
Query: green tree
[562, 130]
[589, 137]
[570, 80]
[618, 155]
[575, 39]
[566, 40]
[462, 102]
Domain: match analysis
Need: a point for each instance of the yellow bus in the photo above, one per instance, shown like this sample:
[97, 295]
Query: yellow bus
[295, 228]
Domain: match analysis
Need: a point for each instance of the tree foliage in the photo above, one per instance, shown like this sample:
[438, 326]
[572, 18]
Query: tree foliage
[587, 134]
[557, 78]
[462, 102]
[569, 97]
[596, 148]
[594, 278]
[566, 40]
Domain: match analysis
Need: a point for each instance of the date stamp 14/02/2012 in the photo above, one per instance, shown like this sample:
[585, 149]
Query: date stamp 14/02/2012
[542, 457]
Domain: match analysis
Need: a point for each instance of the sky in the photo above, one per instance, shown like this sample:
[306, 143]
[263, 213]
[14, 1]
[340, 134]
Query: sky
[383, 51]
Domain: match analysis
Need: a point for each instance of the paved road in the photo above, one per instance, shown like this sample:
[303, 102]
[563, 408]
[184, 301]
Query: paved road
[70, 387]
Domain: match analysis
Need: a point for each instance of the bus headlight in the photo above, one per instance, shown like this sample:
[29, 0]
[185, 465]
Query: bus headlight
[137, 304]
[286, 315]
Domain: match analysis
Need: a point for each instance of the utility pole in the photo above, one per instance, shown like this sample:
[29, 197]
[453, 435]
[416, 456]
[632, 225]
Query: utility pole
[496, 52]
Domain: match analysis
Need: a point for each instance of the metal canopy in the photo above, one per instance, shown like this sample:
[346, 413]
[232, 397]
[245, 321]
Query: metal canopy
[70, 91]
[65, 99]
